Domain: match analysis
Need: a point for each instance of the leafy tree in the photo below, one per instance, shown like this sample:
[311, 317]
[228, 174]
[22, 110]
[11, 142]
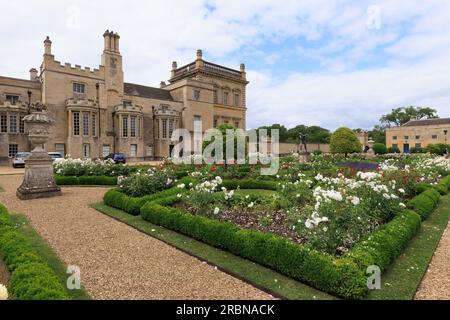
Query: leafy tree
[400, 116]
[345, 141]
[378, 134]
[283, 132]
[315, 134]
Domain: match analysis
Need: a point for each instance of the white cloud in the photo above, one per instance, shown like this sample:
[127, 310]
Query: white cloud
[363, 73]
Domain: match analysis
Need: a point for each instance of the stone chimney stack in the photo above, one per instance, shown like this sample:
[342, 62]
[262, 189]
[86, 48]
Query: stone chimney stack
[33, 74]
[47, 46]
[162, 84]
[199, 61]
[174, 68]
[111, 41]
[107, 41]
[243, 73]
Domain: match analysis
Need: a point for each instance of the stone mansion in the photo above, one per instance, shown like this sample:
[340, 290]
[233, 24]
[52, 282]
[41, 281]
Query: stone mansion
[97, 113]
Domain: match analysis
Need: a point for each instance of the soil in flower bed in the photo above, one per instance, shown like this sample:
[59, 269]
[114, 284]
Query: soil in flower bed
[273, 221]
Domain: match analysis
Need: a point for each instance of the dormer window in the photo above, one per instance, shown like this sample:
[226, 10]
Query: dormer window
[78, 88]
[126, 103]
[13, 99]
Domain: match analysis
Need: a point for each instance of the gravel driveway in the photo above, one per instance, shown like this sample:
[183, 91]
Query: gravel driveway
[117, 261]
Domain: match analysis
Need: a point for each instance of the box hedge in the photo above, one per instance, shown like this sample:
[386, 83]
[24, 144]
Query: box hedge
[132, 205]
[86, 180]
[385, 244]
[31, 277]
[424, 203]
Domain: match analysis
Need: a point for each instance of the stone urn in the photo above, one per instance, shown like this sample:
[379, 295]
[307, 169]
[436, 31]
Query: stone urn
[370, 154]
[38, 180]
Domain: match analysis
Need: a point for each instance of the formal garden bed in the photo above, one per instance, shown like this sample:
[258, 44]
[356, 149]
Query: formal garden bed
[321, 223]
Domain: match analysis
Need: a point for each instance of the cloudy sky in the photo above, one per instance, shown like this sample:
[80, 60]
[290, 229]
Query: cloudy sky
[314, 62]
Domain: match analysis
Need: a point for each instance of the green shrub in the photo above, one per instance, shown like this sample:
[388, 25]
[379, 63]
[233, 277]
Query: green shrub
[393, 150]
[31, 277]
[438, 148]
[97, 180]
[381, 247]
[132, 205]
[36, 281]
[419, 188]
[424, 203]
[442, 188]
[338, 276]
[66, 180]
[446, 180]
[417, 150]
[379, 148]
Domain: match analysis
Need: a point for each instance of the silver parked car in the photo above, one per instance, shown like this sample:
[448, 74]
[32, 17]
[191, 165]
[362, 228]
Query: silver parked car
[56, 156]
[19, 159]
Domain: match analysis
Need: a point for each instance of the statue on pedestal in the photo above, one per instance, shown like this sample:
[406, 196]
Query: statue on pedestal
[38, 180]
[303, 155]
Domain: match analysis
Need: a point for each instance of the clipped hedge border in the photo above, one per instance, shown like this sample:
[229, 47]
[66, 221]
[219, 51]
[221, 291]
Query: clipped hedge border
[132, 205]
[31, 277]
[86, 180]
[385, 244]
[339, 276]
[425, 202]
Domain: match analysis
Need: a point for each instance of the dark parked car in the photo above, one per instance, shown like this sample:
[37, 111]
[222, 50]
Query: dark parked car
[116, 157]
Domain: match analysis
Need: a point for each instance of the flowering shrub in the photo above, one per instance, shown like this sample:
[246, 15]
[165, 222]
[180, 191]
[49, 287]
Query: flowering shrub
[145, 183]
[347, 209]
[88, 167]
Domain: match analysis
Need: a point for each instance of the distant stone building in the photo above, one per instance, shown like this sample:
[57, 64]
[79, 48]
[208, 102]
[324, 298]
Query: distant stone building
[418, 134]
[97, 113]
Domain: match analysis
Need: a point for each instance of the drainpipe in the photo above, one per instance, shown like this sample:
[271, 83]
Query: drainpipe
[114, 132]
[99, 131]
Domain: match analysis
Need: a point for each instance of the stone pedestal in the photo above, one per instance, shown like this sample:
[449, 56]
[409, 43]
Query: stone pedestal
[370, 154]
[38, 180]
[304, 157]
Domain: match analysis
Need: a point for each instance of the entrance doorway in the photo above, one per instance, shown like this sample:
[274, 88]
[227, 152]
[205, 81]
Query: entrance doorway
[406, 148]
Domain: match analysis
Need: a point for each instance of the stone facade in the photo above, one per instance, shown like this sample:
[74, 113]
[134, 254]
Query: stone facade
[97, 113]
[418, 134]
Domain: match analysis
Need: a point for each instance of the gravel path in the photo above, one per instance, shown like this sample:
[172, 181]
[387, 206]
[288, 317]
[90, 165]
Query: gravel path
[117, 261]
[436, 283]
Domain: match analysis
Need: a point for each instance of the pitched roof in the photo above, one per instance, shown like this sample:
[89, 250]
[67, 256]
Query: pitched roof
[146, 92]
[427, 122]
